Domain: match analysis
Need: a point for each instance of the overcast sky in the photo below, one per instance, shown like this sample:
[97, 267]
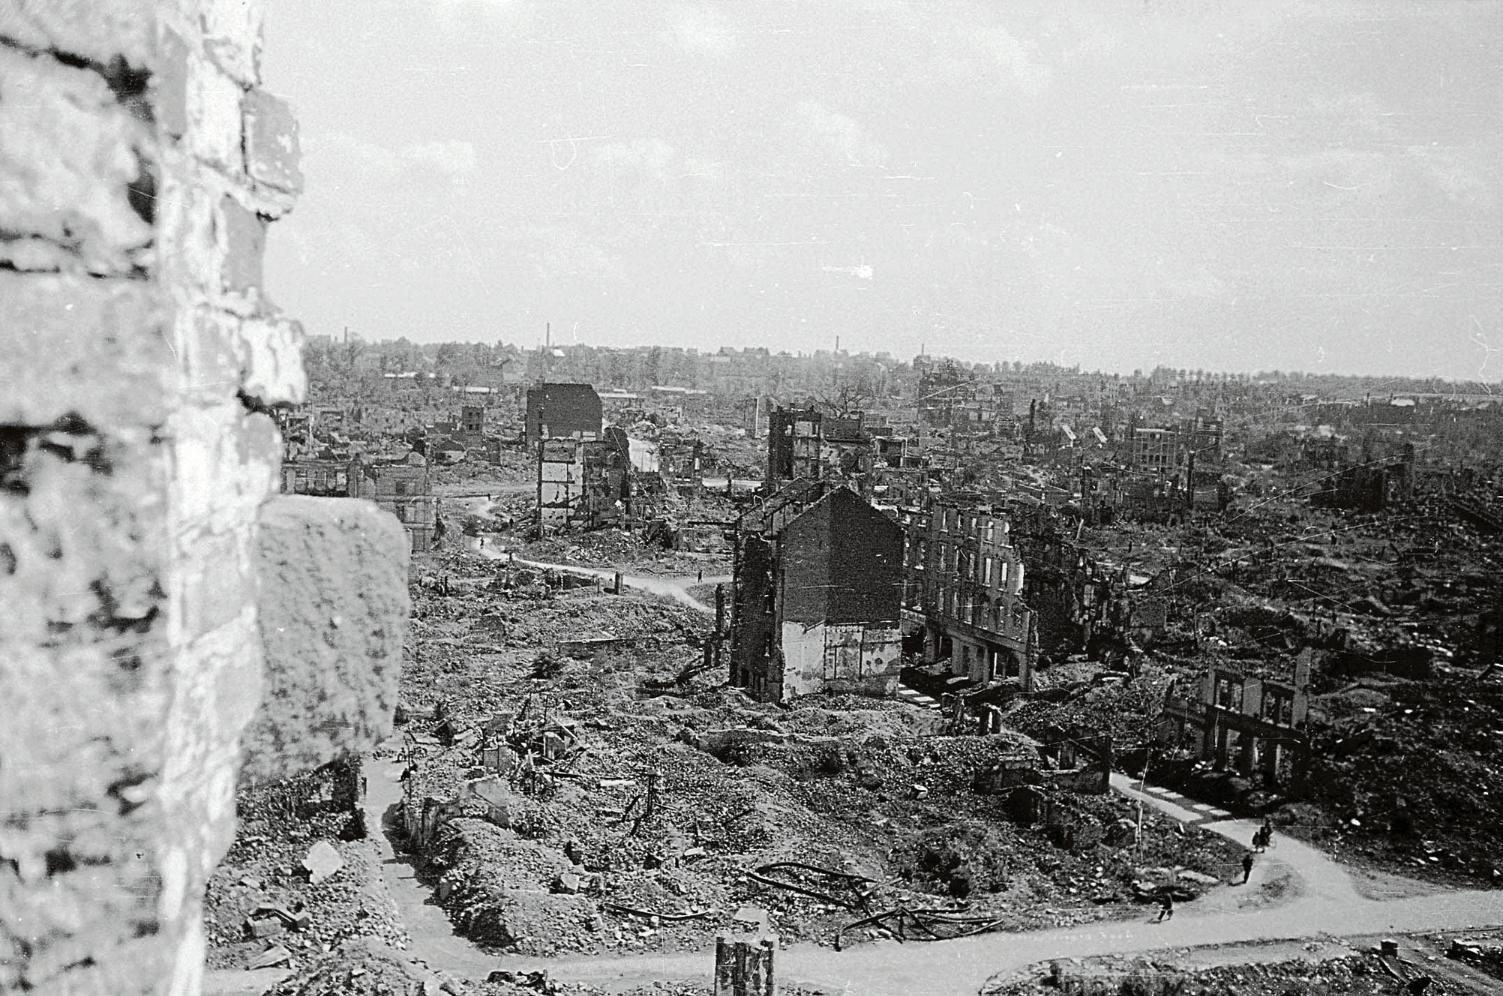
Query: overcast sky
[1253, 184]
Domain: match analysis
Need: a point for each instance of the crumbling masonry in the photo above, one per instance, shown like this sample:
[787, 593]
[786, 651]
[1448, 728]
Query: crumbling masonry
[139, 166]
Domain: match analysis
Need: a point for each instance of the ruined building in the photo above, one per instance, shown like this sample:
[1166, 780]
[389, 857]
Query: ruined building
[400, 487]
[1233, 718]
[1154, 449]
[1370, 485]
[963, 585]
[588, 484]
[157, 592]
[806, 443]
[816, 600]
[561, 411]
[959, 416]
[472, 424]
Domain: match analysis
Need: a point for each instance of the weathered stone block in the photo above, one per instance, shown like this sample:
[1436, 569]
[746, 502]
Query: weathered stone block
[69, 155]
[82, 675]
[205, 341]
[171, 83]
[214, 132]
[217, 244]
[218, 584]
[244, 243]
[333, 614]
[232, 35]
[224, 463]
[96, 31]
[91, 348]
[271, 142]
[271, 361]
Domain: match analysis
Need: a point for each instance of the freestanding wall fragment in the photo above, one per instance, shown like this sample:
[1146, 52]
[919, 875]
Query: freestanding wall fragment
[333, 615]
[744, 967]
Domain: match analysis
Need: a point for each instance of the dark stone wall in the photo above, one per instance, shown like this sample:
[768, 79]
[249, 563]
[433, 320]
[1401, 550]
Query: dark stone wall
[842, 562]
[751, 622]
[566, 409]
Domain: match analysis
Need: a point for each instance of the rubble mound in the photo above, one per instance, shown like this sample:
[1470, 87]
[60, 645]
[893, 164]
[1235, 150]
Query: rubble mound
[957, 860]
[1408, 777]
[264, 900]
[364, 967]
[1355, 975]
[498, 887]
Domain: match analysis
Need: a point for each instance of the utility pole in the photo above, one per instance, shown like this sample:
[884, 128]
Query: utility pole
[1142, 787]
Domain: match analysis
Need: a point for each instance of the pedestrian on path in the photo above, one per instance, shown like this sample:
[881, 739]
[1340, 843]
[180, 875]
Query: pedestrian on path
[1247, 860]
[1257, 840]
[1166, 906]
[1267, 833]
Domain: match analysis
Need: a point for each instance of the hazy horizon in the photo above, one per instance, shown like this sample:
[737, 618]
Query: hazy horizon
[1293, 186]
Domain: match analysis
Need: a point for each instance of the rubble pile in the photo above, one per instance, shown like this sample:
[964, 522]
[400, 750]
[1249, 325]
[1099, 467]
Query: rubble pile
[366, 967]
[1398, 609]
[1483, 952]
[1408, 777]
[1354, 975]
[597, 805]
[299, 879]
[470, 475]
[624, 551]
[1125, 709]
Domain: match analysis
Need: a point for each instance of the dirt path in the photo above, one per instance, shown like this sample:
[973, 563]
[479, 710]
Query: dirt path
[432, 936]
[1309, 873]
[960, 967]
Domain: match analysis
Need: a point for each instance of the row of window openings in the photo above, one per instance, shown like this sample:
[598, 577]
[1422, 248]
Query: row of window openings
[951, 520]
[1277, 705]
[953, 561]
[978, 612]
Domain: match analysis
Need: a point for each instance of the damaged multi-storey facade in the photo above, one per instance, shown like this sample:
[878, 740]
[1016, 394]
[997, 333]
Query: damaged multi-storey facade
[817, 596]
[581, 477]
[401, 487]
[590, 484]
[807, 443]
[1237, 719]
[963, 585]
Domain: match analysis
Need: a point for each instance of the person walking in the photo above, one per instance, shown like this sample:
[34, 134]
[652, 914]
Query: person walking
[1166, 906]
[1247, 862]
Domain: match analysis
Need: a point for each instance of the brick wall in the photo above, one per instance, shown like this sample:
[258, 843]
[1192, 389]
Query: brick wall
[139, 166]
[842, 562]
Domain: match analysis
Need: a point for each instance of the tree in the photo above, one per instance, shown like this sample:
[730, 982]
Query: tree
[846, 392]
